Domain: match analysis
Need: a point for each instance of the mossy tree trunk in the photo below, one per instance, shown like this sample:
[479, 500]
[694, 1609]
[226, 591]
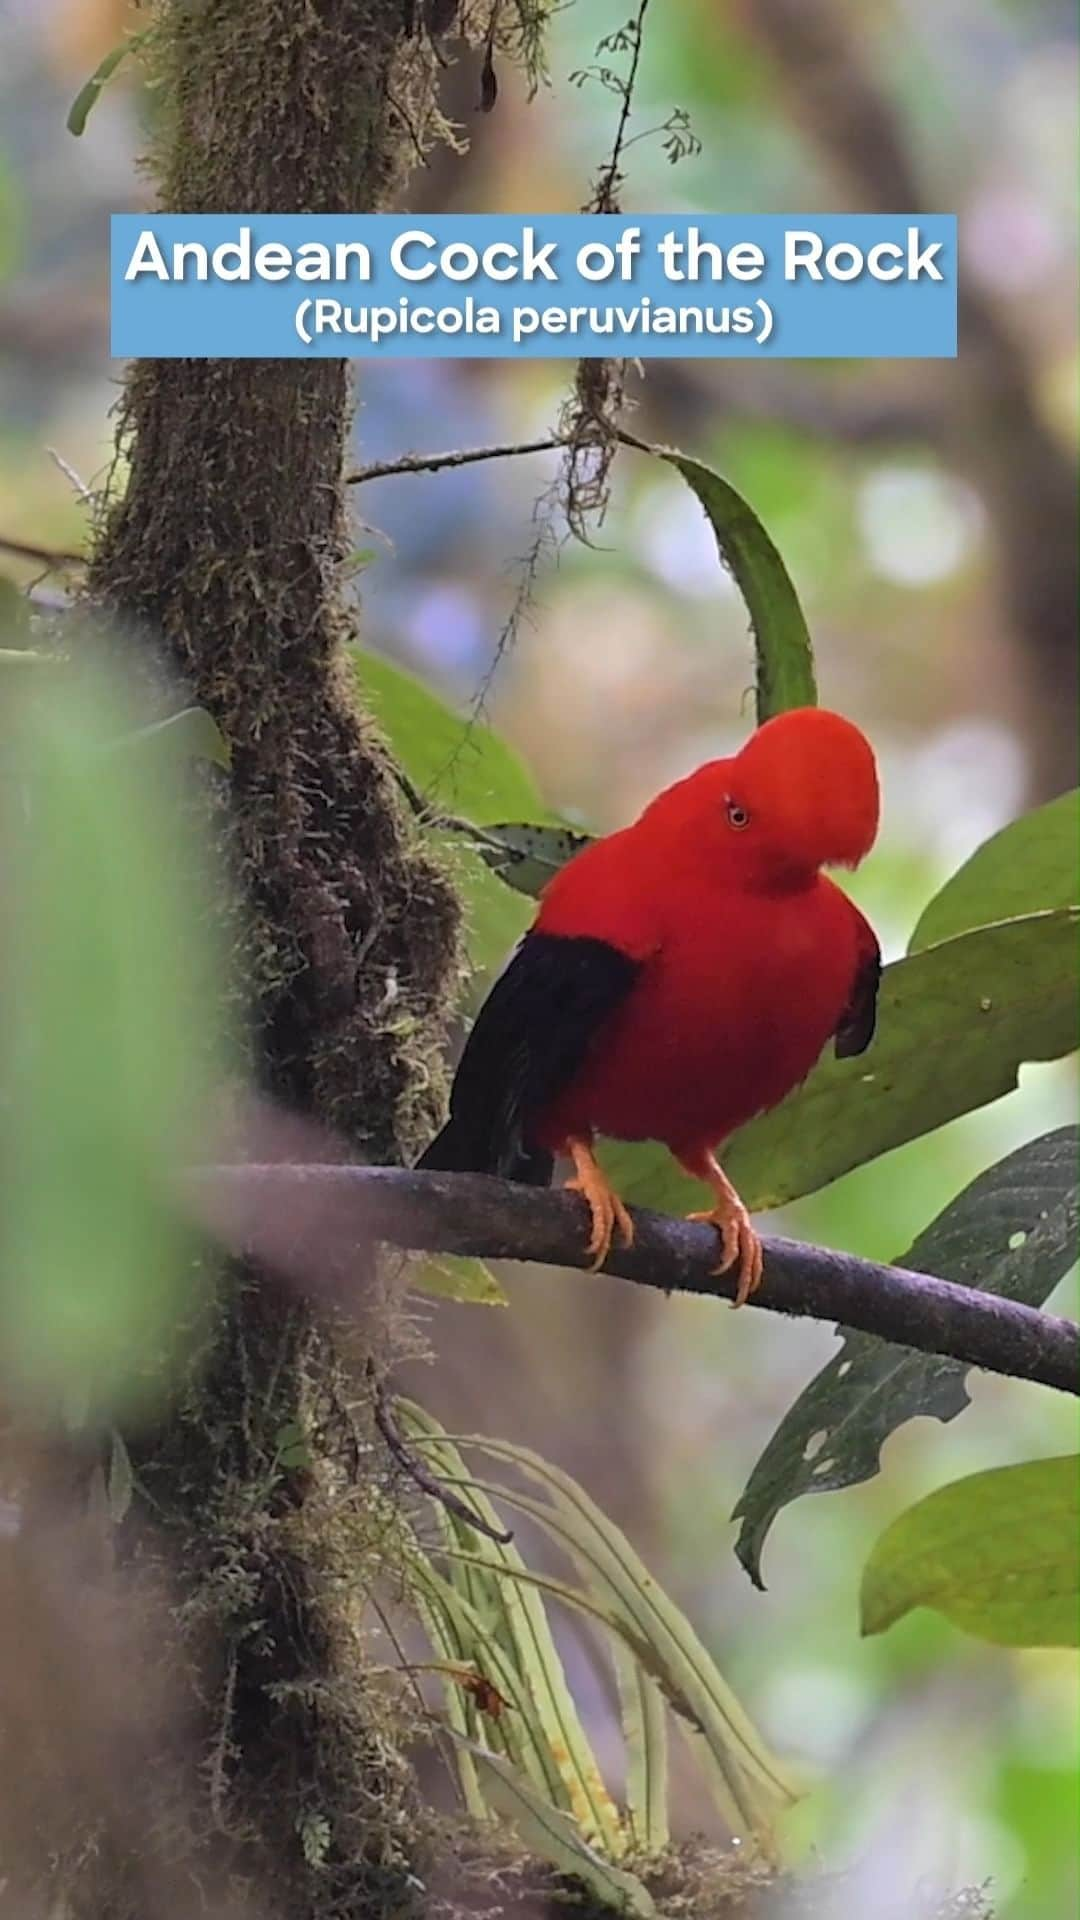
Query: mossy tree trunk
[225, 552]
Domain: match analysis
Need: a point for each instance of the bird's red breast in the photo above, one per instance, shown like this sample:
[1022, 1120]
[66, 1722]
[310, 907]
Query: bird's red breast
[748, 955]
[686, 972]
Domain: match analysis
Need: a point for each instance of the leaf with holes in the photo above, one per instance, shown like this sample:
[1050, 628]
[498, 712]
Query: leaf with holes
[526, 855]
[784, 656]
[1012, 1232]
[998, 1553]
[1033, 864]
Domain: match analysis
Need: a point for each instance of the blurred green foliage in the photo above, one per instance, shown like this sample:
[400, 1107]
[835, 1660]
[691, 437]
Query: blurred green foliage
[110, 1049]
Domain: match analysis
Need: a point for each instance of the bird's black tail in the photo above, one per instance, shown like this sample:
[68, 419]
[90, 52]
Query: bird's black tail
[457, 1150]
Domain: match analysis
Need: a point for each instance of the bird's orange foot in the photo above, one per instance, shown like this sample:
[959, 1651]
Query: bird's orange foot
[607, 1214]
[739, 1244]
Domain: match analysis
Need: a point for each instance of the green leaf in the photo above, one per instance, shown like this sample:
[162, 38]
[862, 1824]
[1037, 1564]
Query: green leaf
[998, 1553]
[1033, 864]
[446, 1644]
[458, 765]
[555, 1837]
[526, 855]
[644, 1726]
[108, 1036]
[495, 915]
[192, 733]
[452, 1276]
[784, 656]
[1012, 1232]
[87, 97]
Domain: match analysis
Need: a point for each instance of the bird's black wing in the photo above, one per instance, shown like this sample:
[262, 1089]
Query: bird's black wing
[856, 1029]
[529, 1039]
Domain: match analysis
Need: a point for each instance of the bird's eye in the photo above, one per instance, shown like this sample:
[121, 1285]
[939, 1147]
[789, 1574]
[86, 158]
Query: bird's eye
[737, 816]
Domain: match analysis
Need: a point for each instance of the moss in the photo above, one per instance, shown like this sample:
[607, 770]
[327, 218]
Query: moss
[223, 556]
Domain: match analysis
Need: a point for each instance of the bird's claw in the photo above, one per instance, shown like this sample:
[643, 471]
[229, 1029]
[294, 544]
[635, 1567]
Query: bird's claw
[739, 1243]
[607, 1215]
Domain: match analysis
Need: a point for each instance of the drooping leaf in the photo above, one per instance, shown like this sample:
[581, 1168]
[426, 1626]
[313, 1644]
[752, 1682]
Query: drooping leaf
[644, 1728]
[1032, 865]
[555, 1837]
[456, 764]
[517, 1733]
[87, 97]
[784, 656]
[1012, 1232]
[445, 1643]
[955, 1024]
[452, 1276]
[524, 1631]
[998, 1553]
[747, 1781]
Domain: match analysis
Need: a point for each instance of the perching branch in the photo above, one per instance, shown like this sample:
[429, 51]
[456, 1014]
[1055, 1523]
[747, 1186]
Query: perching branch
[310, 1221]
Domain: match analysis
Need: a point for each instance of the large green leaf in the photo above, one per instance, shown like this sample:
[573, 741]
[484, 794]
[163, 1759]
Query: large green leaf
[998, 1553]
[1033, 864]
[784, 657]
[457, 764]
[955, 1024]
[107, 1031]
[1012, 1232]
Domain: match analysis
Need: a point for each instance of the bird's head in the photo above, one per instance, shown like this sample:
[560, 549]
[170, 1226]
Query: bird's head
[800, 795]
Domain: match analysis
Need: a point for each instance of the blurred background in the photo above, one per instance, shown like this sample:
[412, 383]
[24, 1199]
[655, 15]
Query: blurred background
[926, 512]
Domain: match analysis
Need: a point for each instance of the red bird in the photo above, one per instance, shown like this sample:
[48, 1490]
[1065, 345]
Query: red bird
[681, 976]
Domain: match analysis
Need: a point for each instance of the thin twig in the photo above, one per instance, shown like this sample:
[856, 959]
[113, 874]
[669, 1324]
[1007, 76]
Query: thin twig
[308, 1222]
[455, 457]
[435, 1489]
[606, 191]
